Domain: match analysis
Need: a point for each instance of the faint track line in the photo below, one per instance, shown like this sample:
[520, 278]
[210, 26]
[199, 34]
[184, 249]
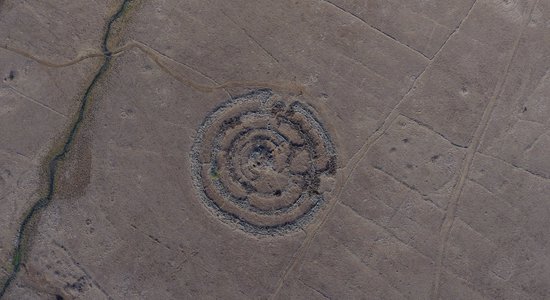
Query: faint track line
[517, 167]
[81, 268]
[450, 215]
[52, 165]
[36, 102]
[320, 292]
[390, 232]
[47, 63]
[382, 277]
[251, 37]
[455, 29]
[376, 29]
[157, 58]
[354, 162]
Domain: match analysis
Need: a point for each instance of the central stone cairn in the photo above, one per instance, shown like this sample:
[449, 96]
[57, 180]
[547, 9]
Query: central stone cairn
[263, 163]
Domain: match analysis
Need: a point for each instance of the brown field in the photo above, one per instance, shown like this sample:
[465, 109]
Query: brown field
[311, 149]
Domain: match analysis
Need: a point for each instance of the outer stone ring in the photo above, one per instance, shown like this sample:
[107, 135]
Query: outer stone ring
[260, 162]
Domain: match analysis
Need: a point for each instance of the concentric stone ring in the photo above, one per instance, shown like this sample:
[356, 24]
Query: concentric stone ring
[260, 162]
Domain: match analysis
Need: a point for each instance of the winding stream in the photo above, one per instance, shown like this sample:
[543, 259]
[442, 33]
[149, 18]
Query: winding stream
[52, 167]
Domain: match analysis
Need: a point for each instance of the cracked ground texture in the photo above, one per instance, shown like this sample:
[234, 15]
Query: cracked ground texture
[439, 112]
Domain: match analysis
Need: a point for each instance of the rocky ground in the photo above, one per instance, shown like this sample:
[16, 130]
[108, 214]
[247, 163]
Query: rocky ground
[340, 149]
